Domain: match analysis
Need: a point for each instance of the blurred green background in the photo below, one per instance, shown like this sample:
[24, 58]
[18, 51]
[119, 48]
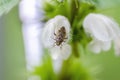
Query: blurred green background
[12, 56]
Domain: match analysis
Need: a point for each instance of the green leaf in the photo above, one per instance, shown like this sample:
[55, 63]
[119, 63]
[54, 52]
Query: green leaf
[7, 5]
[53, 8]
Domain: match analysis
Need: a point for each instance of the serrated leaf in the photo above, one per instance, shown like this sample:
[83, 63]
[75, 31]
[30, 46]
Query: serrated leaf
[7, 5]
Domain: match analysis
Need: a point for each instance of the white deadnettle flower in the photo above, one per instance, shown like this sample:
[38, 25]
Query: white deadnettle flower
[49, 37]
[103, 30]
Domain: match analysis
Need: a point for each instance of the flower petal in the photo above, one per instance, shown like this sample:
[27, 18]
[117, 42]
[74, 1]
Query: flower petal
[94, 46]
[47, 36]
[57, 65]
[112, 27]
[106, 45]
[100, 27]
[61, 52]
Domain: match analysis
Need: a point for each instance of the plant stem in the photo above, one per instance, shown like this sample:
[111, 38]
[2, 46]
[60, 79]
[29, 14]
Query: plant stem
[75, 50]
[74, 9]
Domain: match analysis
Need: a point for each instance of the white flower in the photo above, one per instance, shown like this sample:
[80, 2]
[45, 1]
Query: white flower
[50, 31]
[103, 30]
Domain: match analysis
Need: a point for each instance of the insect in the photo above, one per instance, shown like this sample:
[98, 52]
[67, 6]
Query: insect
[60, 36]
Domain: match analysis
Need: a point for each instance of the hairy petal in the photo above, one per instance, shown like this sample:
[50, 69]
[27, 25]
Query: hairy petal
[57, 65]
[101, 27]
[106, 45]
[47, 36]
[61, 52]
[96, 46]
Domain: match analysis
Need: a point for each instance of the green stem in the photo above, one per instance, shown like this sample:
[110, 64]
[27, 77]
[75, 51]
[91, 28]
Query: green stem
[74, 9]
[74, 12]
[75, 49]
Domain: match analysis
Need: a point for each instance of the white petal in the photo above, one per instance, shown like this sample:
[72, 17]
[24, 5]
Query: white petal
[93, 25]
[112, 27]
[66, 51]
[57, 64]
[97, 46]
[63, 52]
[106, 45]
[47, 36]
[55, 52]
[94, 46]
[101, 27]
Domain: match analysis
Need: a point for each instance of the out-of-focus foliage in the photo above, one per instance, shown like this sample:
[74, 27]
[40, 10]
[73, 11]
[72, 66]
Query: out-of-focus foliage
[13, 56]
[72, 69]
[45, 71]
[54, 7]
[68, 8]
[7, 5]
